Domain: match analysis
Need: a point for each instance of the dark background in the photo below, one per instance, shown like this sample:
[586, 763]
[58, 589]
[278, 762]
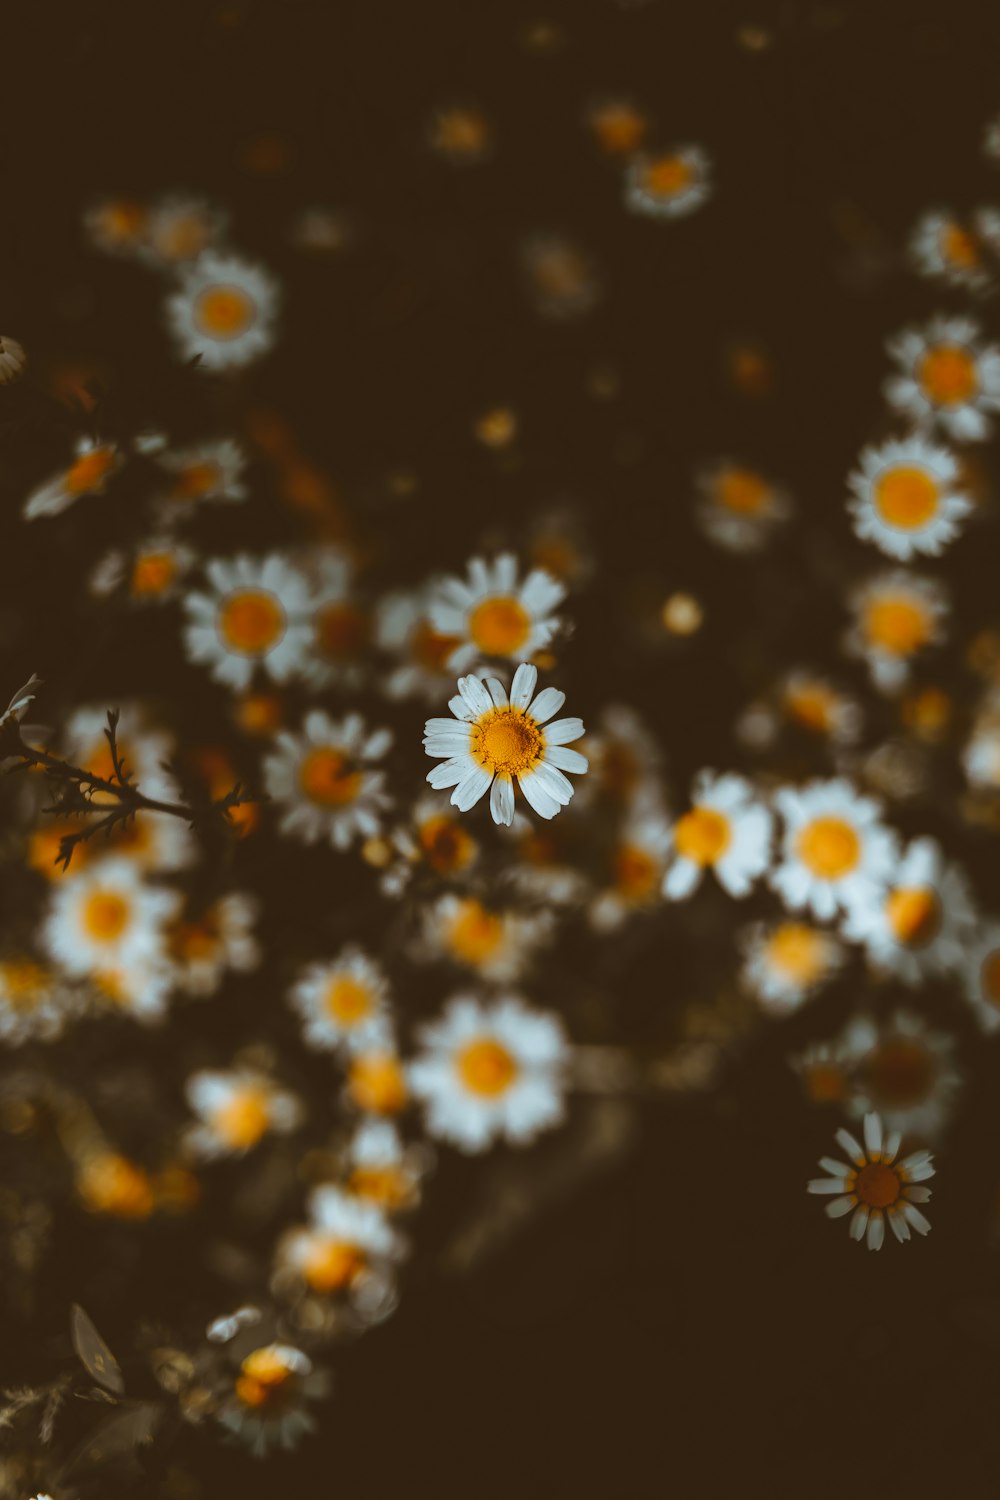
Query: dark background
[688, 1319]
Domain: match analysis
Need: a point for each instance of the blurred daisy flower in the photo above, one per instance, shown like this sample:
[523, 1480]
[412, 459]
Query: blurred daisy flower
[220, 938]
[343, 1001]
[461, 133]
[322, 782]
[835, 851]
[873, 1186]
[495, 944]
[420, 653]
[256, 615]
[668, 184]
[618, 125]
[347, 1241]
[726, 830]
[492, 740]
[904, 1071]
[944, 248]
[12, 360]
[896, 616]
[180, 228]
[639, 858]
[949, 376]
[493, 615]
[737, 507]
[236, 1110]
[36, 999]
[624, 756]
[207, 471]
[787, 962]
[139, 989]
[907, 497]
[224, 312]
[561, 277]
[143, 749]
[341, 627]
[267, 1406]
[382, 1169]
[107, 917]
[921, 926]
[490, 1072]
[824, 1068]
[152, 574]
[94, 465]
[376, 1080]
[981, 973]
[117, 226]
[813, 704]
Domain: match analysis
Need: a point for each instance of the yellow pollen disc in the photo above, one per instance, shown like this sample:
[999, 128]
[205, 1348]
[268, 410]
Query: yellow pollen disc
[123, 219]
[829, 847]
[948, 375]
[900, 1073]
[486, 1067]
[897, 625]
[332, 1264]
[878, 1185]
[182, 239]
[500, 626]
[825, 1083]
[906, 497]
[619, 128]
[812, 706]
[244, 1118]
[341, 631]
[989, 976]
[24, 983]
[377, 1083]
[153, 574]
[475, 933]
[798, 952]
[959, 247]
[636, 872]
[702, 835]
[90, 470]
[914, 915]
[195, 481]
[667, 176]
[263, 1378]
[462, 131]
[742, 491]
[105, 916]
[506, 742]
[347, 1000]
[447, 847]
[251, 621]
[224, 312]
[112, 1184]
[195, 942]
[383, 1185]
[327, 776]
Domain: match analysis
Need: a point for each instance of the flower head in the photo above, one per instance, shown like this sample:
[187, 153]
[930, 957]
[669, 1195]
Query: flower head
[873, 1186]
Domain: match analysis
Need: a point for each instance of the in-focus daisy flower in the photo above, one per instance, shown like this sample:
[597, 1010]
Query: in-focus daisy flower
[835, 851]
[813, 704]
[180, 228]
[561, 277]
[461, 133]
[982, 975]
[787, 962]
[323, 782]
[106, 917]
[493, 615]
[267, 1407]
[873, 1186]
[152, 574]
[737, 507]
[208, 471]
[420, 653]
[619, 126]
[12, 360]
[489, 1072]
[903, 1071]
[377, 1082]
[342, 1002]
[256, 615]
[202, 948]
[907, 497]
[89, 473]
[726, 830]
[668, 184]
[824, 1069]
[896, 616]
[495, 944]
[383, 1170]
[236, 1110]
[36, 1000]
[639, 858]
[116, 226]
[493, 740]
[341, 627]
[347, 1240]
[949, 376]
[225, 311]
[948, 250]
[922, 924]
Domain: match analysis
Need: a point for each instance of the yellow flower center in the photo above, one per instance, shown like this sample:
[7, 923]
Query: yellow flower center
[327, 776]
[251, 621]
[897, 625]
[959, 247]
[990, 977]
[105, 916]
[486, 1067]
[462, 131]
[195, 481]
[341, 631]
[377, 1083]
[914, 915]
[24, 983]
[948, 375]
[123, 219]
[447, 847]
[878, 1185]
[900, 1073]
[636, 872]
[90, 470]
[619, 128]
[798, 952]
[506, 742]
[386, 1185]
[475, 934]
[742, 491]
[264, 1379]
[825, 1083]
[500, 626]
[348, 1000]
[111, 1184]
[702, 835]
[829, 847]
[906, 497]
[667, 176]
[153, 573]
[244, 1118]
[224, 312]
[331, 1264]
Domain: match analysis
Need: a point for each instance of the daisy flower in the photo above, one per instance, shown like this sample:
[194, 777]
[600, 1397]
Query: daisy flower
[896, 616]
[376, 1080]
[494, 739]
[36, 1000]
[737, 507]
[824, 1069]
[726, 830]
[105, 918]
[949, 376]
[421, 654]
[921, 925]
[116, 226]
[340, 625]
[139, 989]
[490, 1072]
[224, 311]
[208, 471]
[639, 859]
[460, 133]
[181, 228]
[89, 473]
[981, 756]
[382, 1170]
[347, 1240]
[619, 126]
[945, 249]
[907, 497]
[255, 615]
[202, 948]
[624, 756]
[142, 749]
[492, 615]
[981, 971]
[835, 851]
[267, 1407]
[561, 278]
[436, 838]
[496, 945]
[873, 1186]
[236, 1110]
[668, 184]
[12, 360]
[321, 779]
[787, 962]
[903, 1071]
[153, 574]
[813, 704]
[344, 1001]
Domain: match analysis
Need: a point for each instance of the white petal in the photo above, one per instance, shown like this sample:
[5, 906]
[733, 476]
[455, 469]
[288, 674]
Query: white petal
[502, 800]
[549, 701]
[523, 685]
[563, 731]
[469, 791]
[545, 805]
[567, 760]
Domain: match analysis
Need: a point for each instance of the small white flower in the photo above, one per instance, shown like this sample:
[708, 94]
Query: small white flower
[949, 376]
[340, 623]
[896, 616]
[36, 1000]
[908, 497]
[344, 1001]
[107, 918]
[812, 703]
[835, 851]
[490, 1072]
[256, 615]
[403, 629]
[944, 248]
[347, 1239]
[873, 1186]
[208, 471]
[726, 830]
[224, 311]
[117, 226]
[495, 944]
[904, 1071]
[221, 937]
[151, 574]
[321, 778]
[236, 1110]
[492, 740]
[639, 859]
[491, 614]
[737, 507]
[921, 925]
[668, 184]
[787, 962]
[94, 465]
[180, 228]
